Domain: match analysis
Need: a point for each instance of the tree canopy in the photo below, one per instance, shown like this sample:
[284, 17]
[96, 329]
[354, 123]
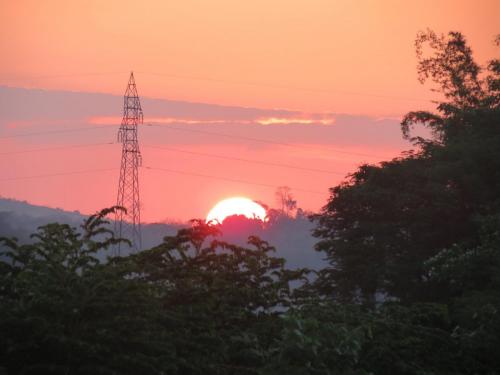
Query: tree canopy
[424, 227]
[412, 286]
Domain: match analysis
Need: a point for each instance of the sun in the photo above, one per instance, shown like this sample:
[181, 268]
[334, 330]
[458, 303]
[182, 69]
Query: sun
[236, 206]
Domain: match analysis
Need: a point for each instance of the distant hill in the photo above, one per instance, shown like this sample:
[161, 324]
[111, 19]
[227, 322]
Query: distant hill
[291, 236]
[21, 219]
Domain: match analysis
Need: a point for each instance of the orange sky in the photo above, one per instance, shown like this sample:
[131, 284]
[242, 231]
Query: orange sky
[319, 58]
[316, 55]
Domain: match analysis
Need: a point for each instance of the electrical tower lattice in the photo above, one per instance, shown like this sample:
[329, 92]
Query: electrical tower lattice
[128, 224]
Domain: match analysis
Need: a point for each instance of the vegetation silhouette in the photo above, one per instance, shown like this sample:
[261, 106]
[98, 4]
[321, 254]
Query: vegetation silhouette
[412, 284]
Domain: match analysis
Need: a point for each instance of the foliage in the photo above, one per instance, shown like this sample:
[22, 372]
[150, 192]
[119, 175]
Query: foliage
[346, 339]
[63, 311]
[381, 226]
[467, 94]
[472, 277]
[412, 287]
[221, 295]
[182, 307]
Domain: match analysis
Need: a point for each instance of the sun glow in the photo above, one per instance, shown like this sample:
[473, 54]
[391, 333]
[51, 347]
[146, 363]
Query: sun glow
[236, 206]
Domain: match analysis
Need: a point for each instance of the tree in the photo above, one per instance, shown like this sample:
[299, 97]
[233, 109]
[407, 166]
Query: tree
[470, 274]
[64, 311]
[345, 339]
[223, 300]
[380, 227]
[193, 304]
[412, 287]
[285, 200]
[459, 79]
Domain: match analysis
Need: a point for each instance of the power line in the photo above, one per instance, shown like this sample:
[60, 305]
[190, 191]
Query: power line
[285, 87]
[157, 169]
[170, 127]
[239, 83]
[261, 140]
[56, 148]
[58, 174]
[69, 75]
[176, 150]
[243, 160]
[55, 131]
[228, 179]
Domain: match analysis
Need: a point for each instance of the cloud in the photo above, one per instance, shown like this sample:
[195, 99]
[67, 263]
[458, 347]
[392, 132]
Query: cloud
[304, 120]
[204, 132]
[46, 110]
[114, 120]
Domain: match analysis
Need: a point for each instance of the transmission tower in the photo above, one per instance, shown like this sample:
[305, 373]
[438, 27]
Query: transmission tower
[128, 225]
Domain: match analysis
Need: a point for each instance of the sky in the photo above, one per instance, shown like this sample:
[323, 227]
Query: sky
[324, 83]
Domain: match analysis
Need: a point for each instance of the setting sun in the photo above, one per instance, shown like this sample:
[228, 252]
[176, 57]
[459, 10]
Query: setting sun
[236, 206]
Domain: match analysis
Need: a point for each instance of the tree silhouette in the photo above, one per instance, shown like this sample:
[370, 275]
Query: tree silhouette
[286, 203]
[379, 227]
[412, 285]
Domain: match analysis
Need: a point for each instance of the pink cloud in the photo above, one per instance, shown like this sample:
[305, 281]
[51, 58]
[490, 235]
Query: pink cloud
[304, 120]
[291, 121]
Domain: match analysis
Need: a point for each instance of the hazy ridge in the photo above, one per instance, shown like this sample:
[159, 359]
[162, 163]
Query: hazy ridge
[291, 236]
